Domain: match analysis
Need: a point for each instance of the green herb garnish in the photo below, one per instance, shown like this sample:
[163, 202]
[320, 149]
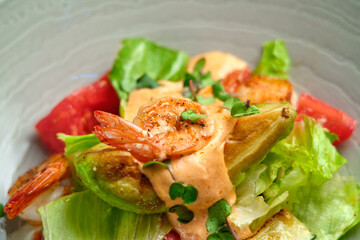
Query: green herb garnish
[185, 215]
[220, 93]
[2, 213]
[190, 194]
[206, 80]
[150, 163]
[187, 193]
[205, 101]
[199, 66]
[230, 102]
[199, 80]
[217, 215]
[331, 136]
[192, 116]
[146, 82]
[240, 108]
[176, 190]
[165, 163]
[223, 233]
[217, 224]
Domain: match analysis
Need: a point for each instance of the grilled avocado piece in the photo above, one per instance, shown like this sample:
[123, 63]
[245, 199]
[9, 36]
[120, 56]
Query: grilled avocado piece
[283, 226]
[254, 136]
[115, 177]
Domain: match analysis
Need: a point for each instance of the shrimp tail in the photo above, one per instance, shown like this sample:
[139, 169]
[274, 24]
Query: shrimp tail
[124, 135]
[42, 181]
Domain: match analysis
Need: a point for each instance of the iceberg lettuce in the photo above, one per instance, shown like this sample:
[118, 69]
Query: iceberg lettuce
[85, 216]
[250, 207]
[328, 210]
[305, 157]
[304, 165]
[75, 144]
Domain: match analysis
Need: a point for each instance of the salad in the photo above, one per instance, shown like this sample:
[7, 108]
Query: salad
[170, 147]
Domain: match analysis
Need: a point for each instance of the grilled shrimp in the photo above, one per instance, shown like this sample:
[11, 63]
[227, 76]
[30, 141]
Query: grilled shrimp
[257, 89]
[158, 132]
[42, 180]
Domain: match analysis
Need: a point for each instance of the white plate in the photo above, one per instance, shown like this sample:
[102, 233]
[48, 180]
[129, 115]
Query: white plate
[48, 48]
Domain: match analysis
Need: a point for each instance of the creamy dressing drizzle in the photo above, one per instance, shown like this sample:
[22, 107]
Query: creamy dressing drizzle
[205, 170]
[139, 97]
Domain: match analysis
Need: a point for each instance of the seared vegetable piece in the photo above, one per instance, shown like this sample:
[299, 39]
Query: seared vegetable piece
[84, 216]
[283, 226]
[115, 177]
[254, 136]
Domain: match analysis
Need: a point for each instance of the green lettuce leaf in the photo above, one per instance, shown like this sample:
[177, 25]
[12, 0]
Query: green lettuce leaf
[85, 216]
[328, 210]
[75, 144]
[275, 60]
[305, 157]
[313, 150]
[304, 166]
[139, 56]
[250, 207]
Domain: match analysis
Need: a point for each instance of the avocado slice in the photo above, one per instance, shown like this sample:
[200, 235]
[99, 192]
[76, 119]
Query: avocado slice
[115, 177]
[254, 135]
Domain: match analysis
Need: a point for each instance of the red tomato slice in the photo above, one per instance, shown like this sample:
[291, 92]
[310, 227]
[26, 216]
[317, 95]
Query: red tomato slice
[172, 235]
[329, 117]
[74, 114]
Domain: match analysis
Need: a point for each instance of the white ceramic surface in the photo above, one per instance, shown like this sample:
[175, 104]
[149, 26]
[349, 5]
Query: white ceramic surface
[48, 48]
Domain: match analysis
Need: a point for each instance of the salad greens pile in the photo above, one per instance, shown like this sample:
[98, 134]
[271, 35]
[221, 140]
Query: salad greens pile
[299, 173]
